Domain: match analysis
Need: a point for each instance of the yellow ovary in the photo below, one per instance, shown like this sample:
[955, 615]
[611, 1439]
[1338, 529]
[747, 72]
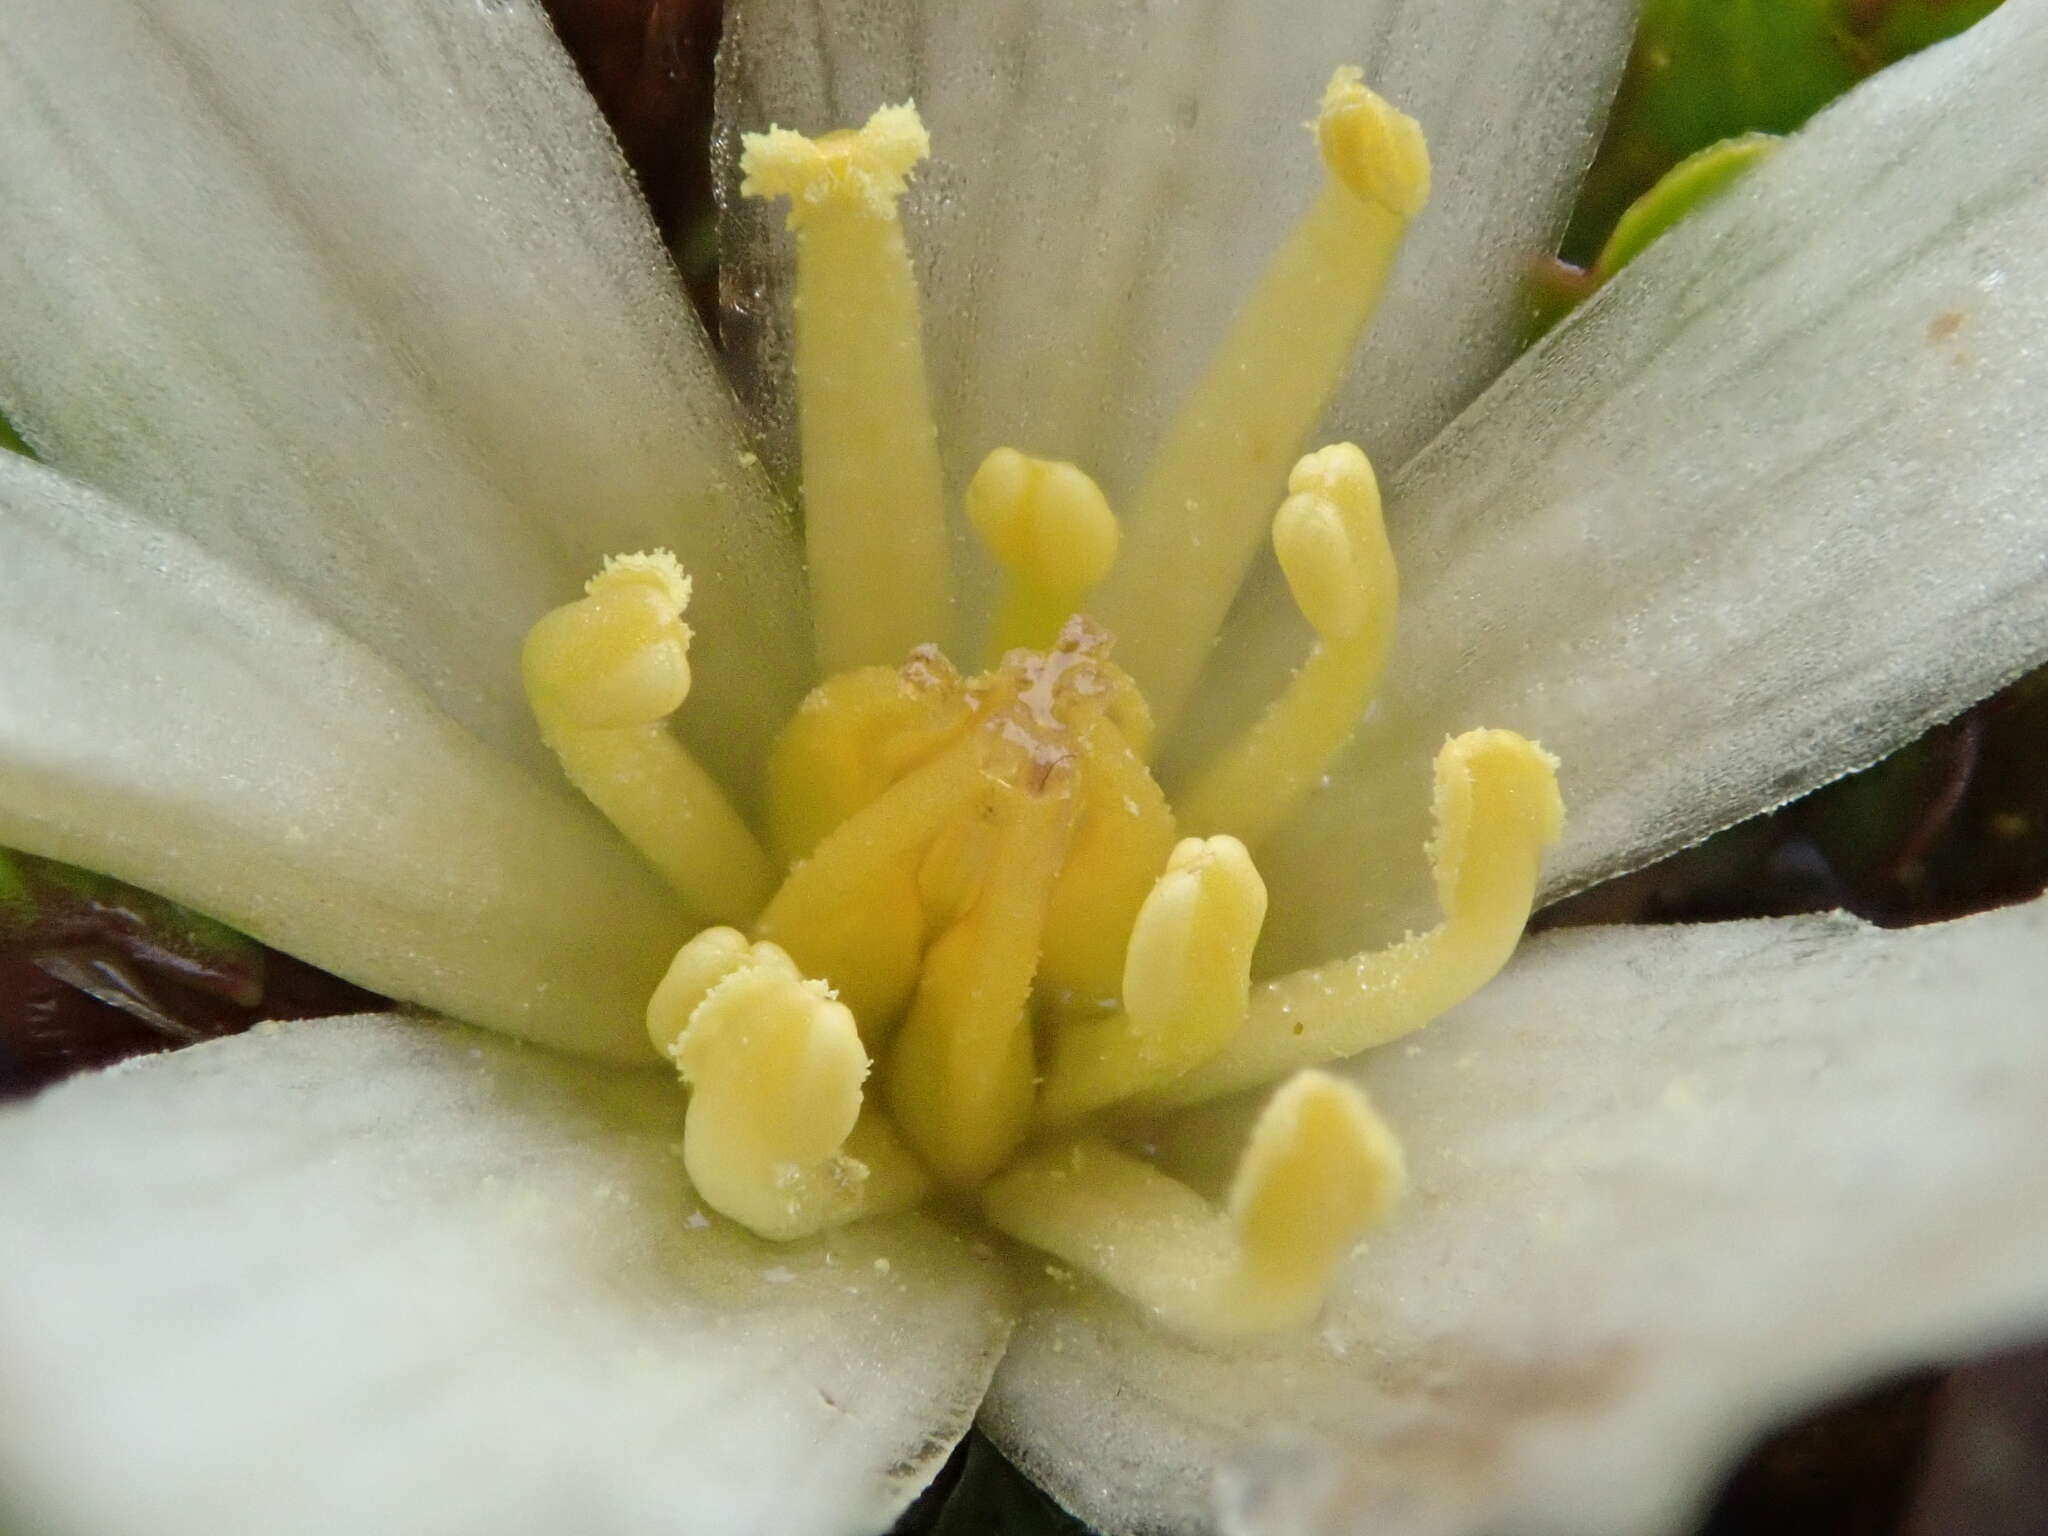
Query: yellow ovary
[972, 938]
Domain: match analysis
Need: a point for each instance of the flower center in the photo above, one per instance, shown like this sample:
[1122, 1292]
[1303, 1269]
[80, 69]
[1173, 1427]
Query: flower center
[992, 844]
[972, 930]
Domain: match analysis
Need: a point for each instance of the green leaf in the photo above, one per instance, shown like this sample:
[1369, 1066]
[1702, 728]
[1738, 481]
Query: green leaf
[1706, 70]
[1693, 183]
[1555, 288]
[15, 900]
[1891, 29]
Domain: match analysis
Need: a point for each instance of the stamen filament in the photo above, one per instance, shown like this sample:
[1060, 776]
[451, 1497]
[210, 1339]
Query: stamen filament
[775, 1068]
[1197, 521]
[874, 508]
[1186, 977]
[1332, 546]
[603, 674]
[1497, 809]
[1321, 1166]
[1050, 527]
[961, 1068]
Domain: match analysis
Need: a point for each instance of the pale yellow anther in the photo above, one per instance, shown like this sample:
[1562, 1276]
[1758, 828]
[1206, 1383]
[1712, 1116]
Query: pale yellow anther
[874, 511]
[868, 166]
[1497, 808]
[1331, 542]
[655, 568]
[1197, 520]
[1314, 550]
[1187, 972]
[603, 674]
[1191, 949]
[699, 966]
[1371, 147]
[784, 1044]
[1320, 1168]
[775, 1067]
[1050, 527]
[620, 657]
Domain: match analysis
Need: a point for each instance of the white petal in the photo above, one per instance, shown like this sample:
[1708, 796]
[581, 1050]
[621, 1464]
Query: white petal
[1770, 507]
[1108, 179]
[381, 1275]
[363, 297]
[1667, 1184]
[167, 720]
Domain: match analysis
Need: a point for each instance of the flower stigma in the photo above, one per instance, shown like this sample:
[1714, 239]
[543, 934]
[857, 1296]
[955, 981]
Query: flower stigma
[964, 939]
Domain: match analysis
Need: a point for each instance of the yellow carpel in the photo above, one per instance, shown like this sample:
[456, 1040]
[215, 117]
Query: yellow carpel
[603, 674]
[853, 912]
[874, 508]
[1122, 840]
[851, 738]
[1332, 545]
[961, 1071]
[1197, 520]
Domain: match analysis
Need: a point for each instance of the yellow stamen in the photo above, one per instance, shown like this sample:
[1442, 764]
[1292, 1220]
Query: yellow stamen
[603, 675]
[1320, 1168]
[982, 873]
[1050, 527]
[1332, 546]
[1197, 520]
[775, 1068]
[1186, 977]
[1497, 809]
[874, 509]
[961, 1069]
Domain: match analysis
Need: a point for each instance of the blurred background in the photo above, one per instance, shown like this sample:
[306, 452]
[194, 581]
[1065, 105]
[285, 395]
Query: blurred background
[92, 971]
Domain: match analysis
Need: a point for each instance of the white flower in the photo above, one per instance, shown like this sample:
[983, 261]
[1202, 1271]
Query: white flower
[351, 352]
